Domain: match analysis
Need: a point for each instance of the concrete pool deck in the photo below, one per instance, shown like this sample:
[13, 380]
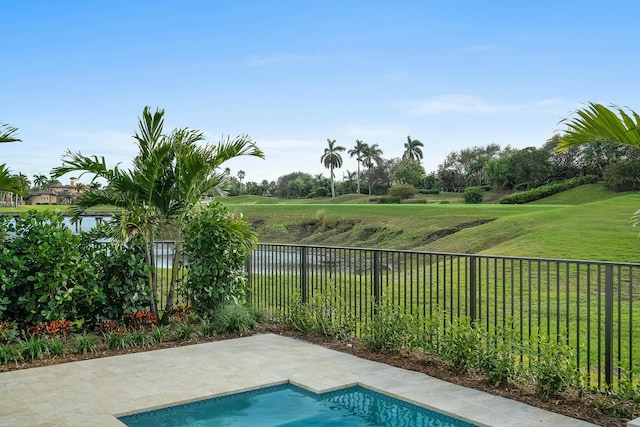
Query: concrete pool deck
[93, 392]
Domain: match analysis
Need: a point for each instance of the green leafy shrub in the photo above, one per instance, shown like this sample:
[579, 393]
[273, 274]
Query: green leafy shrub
[216, 245]
[473, 195]
[159, 333]
[462, 345]
[34, 348]
[499, 362]
[385, 200]
[44, 275]
[185, 331]
[322, 314]
[547, 190]
[402, 191]
[623, 175]
[389, 329]
[117, 340]
[429, 191]
[554, 368]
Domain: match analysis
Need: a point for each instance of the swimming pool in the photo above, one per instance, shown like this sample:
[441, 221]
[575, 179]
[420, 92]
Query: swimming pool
[291, 406]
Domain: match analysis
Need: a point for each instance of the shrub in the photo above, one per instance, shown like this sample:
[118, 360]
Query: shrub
[473, 195]
[547, 190]
[159, 334]
[390, 329]
[234, 318]
[10, 353]
[185, 331]
[499, 362]
[322, 192]
[623, 176]
[34, 348]
[385, 200]
[216, 245]
[554, 368]
[402, 191]
[323, 314]
[43, 272]
[461, 345]
[429, 191]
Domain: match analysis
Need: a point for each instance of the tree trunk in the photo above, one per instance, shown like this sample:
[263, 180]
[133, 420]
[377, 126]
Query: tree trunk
[175, 269]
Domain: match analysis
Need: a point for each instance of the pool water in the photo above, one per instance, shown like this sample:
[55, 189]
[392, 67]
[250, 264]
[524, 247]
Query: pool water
[292, 406]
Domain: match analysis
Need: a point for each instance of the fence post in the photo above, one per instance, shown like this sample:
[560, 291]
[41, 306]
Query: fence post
[247, 269]
[472, 289]
[608, 324]
[377, 279]
[303, 273]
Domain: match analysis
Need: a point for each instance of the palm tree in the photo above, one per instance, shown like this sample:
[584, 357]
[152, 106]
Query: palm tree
[597, 123]
[332, 160]
[412, 149]
[358, 151]
[40, 181]
[170, 175]
[372, 155]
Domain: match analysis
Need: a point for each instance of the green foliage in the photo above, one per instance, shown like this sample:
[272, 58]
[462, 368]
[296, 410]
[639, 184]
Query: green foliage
[234, 318]
[554, 368]
[185, 331]
[55, 346]
[44, 274]
[117, 340]
[122, 273]
[48, 273]
[323, 314]
[623, 175]
[503, 347]
[322, 192]
[473, 195]
[462, 345]
[86, 343]
[216, 245]
[410, 172]
[34, 348]
[139, 338]
[546, 190]
[390, 329]
[385, 200]
[208, 328]
[402, 191]
[10, 353]
[159, 334]
[429, 191]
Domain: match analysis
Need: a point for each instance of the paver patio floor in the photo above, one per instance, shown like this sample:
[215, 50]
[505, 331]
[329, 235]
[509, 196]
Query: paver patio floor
[93, 392]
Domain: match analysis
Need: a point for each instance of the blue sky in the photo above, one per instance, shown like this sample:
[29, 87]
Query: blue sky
[290, 74]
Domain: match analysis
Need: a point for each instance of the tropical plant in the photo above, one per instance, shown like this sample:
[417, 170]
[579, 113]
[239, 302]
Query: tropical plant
[8, 183]
[171, 174]
[331, 159]
[7, 133]
[371, 156]
[412, 149]
[358, 151]
[216, 246]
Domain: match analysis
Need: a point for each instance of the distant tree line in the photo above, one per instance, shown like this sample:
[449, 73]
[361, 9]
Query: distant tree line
[491, 166]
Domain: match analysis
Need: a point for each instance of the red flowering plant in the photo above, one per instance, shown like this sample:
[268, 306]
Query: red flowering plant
[181, 312]
[55, 328]
[139, 320]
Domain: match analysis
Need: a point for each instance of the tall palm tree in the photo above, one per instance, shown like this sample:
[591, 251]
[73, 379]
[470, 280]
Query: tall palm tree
[412, 149]
[332, 160]
[372, 156]
[358, 151]
[171, 174]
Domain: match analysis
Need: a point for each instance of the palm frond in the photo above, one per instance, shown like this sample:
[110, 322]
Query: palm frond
[7, 133]
[597, 123]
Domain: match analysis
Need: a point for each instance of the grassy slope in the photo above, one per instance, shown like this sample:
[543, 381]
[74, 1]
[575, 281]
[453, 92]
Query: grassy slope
[583, 223]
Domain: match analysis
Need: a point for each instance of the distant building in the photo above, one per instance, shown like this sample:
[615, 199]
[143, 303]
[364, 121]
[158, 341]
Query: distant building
[56, 194]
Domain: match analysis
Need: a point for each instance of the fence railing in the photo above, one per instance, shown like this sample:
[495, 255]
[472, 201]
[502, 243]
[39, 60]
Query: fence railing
[591, 306]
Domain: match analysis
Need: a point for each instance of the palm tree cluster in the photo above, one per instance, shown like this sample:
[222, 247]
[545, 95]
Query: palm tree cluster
[8, 183]
[171, 174]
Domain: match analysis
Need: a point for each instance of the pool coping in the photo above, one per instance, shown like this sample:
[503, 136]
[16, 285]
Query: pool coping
[94, 392]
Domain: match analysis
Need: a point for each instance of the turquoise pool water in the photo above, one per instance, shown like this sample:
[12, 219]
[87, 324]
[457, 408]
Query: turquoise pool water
[291, 406]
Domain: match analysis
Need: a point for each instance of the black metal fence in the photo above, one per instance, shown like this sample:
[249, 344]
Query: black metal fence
[591, 306]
